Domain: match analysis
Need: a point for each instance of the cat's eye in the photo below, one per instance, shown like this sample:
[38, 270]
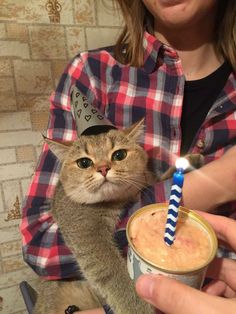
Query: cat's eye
[84, 163]
[119, 154]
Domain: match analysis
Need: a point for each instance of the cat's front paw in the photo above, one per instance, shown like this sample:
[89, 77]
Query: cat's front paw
[140, 307]
[145, 308]
[195, 160]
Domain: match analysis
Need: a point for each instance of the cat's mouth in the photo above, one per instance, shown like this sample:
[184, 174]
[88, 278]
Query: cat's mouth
[108, 183]
[113, 187]
[110, 187]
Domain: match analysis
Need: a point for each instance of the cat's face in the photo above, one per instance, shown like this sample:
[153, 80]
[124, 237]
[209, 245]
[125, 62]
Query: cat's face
[106, 167]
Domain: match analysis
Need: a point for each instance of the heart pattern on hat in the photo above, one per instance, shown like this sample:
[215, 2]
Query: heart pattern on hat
[85, 114]
[79, 113]
[87, 117]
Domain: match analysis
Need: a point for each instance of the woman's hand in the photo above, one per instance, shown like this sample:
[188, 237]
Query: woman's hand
[222, 270]
[173, 297]
[218, 297]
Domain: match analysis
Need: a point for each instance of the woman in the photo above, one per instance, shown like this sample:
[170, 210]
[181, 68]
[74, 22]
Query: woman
[175, 64]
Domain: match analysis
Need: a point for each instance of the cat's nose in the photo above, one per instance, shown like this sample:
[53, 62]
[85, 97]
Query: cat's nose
[103, 170]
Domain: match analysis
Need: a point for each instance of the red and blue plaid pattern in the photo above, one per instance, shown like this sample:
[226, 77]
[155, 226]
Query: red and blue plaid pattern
[125, 94]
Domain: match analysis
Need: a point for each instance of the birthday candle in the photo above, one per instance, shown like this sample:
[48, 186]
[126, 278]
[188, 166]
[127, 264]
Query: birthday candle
[174, 201]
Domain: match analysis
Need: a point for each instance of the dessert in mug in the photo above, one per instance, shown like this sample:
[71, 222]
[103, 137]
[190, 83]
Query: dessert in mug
[185, 260]
[190, 250]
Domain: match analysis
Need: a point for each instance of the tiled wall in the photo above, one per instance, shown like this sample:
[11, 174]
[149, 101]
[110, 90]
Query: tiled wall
[37, 39]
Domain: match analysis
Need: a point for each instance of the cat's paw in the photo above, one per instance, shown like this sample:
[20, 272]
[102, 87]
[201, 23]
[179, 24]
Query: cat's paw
[195, 160]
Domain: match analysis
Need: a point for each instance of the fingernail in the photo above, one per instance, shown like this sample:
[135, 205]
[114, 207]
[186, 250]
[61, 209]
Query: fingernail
[145, 284]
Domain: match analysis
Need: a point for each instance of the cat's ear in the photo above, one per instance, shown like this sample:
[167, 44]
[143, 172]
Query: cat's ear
[135, 131]
[59, 149]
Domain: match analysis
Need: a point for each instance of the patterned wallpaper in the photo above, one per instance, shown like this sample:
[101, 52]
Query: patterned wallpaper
[37, 39]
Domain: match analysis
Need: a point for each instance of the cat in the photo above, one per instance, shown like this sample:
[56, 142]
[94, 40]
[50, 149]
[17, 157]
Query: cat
[99, 175]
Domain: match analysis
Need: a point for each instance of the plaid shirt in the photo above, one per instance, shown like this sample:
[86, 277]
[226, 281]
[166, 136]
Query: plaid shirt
[124, 94]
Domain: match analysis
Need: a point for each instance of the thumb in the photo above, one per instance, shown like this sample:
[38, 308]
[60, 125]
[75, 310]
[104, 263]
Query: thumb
[173, 297]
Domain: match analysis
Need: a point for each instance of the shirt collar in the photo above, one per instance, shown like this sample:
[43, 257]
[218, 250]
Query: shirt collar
[156, 52]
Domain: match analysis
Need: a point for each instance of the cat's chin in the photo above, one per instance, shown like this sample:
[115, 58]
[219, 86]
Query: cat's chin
[107, 192]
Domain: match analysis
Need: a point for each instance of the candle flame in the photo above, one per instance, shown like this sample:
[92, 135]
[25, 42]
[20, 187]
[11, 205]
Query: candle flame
[182, 163]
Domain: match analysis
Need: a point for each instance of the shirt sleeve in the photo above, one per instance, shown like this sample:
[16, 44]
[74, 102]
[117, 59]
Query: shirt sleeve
[43, 245]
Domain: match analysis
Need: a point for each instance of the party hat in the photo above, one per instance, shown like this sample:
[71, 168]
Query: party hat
[89, 120]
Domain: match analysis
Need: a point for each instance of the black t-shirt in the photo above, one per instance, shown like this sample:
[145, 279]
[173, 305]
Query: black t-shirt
[199, 96]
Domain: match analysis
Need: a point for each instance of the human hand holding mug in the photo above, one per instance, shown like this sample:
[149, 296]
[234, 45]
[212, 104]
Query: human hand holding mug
[219, 296]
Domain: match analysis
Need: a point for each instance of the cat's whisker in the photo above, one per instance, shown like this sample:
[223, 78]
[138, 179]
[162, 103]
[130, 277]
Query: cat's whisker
[146, 195]
[92, 184]
[73, 194]
[142, 187]
[134, 182]
[90, 179]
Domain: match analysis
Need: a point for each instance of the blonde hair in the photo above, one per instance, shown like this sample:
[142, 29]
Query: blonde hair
[226, 31]
[137, 19]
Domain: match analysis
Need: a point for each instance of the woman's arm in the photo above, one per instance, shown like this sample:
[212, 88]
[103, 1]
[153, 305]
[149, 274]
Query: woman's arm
[43, 246]
[206, 189]
[212, 185]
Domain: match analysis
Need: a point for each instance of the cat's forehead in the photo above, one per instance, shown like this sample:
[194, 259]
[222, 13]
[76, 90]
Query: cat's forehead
[108, 140]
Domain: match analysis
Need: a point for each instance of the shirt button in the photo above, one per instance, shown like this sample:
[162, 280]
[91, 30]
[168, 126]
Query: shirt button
[173, 133]
[200, 144]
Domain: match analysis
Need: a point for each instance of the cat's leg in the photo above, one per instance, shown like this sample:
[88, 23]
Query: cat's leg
[118, 289]
[77, 293]
[123, 298]
[195, 161]
[45, 299]
[54, 297]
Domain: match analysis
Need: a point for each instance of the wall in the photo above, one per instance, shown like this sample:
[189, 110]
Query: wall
[37, 39]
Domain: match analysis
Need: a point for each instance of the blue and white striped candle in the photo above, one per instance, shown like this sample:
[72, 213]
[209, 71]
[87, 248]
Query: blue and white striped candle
[175, 198]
